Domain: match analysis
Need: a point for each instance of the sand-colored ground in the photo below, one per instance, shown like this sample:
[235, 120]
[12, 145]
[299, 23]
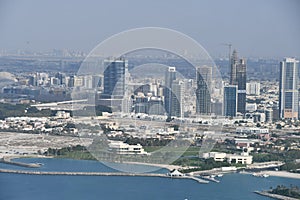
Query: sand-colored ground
[282, 174]
[12, 144]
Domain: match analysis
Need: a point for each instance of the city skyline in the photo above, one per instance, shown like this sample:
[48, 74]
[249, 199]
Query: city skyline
[117, 99]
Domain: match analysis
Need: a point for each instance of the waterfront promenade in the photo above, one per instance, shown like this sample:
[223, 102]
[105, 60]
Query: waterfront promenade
[199, 180]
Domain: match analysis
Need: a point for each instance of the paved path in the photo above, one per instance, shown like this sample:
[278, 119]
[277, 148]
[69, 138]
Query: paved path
[99, 174]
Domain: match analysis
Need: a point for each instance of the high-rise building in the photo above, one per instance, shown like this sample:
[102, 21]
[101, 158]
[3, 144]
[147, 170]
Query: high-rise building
[170, 76]
[230, 100]
[155, 106]
[269, 115]
[149, 105]
[233, 64]
[141, 104]
[71, 81]
[241, 80]
[203, 96]
[288, 89]
[238, 77]
[97, 81]
[177, 99]
[33, 80]
[276, 114]
[61, 78]
[78, 81]
[88, 81]
[114, 78]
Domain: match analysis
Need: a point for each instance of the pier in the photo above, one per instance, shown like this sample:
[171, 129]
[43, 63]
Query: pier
[199, 180]
[8, 161]
[209, 178]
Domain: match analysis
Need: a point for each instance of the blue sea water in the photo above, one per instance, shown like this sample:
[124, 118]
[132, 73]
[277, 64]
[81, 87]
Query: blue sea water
[44, 187]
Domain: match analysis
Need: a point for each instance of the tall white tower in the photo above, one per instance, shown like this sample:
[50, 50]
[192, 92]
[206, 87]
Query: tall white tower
[288, 88]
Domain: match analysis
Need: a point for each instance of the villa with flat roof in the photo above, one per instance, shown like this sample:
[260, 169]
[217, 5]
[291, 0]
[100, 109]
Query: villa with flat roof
[120, 147]
[243, 158]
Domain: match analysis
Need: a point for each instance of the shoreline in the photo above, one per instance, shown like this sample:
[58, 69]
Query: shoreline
[283, 174]
[274, 196]
[161, 166]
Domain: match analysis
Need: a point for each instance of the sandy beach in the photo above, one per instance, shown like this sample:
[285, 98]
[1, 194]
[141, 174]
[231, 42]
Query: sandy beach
[282, 174]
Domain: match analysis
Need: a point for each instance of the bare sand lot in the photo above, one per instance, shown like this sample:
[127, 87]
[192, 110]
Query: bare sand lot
[12, 143]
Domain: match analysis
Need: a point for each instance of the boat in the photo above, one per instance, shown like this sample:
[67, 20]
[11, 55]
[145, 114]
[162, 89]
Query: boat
[255, 174]
[220, 175]
[40, 164]
[260, 175]
[265, 175]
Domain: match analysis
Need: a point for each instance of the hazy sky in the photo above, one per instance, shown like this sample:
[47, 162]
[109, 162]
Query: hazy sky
[255, 27]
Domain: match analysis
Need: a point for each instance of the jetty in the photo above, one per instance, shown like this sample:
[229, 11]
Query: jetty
[199, 180]
[27, 172]
[7, 160]
[274, 196]
[210, 178]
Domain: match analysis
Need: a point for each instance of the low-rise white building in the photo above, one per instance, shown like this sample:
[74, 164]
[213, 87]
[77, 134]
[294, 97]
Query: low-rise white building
[62, 114]
[251, 130]
[243, 158]
[175, 173]
[217, 156]
[123, 148]
[251, 107]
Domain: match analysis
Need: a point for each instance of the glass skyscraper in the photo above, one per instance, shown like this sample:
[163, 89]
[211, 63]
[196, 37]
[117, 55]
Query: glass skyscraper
[241, 80]
[288, 88]
[114, 78]
[233, 65]
[203, 96]
[170, 76]
[177, 98]
[238, 77]
[230, 100]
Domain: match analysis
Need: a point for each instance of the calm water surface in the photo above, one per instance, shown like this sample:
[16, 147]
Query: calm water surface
[39, 187]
